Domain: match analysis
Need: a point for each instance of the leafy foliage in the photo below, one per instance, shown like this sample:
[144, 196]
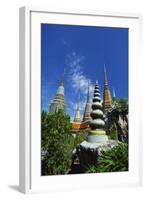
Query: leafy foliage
[80, 137]
[57, 143]
[120, 105]
[117, 120]
[113, 135]
[114, 160]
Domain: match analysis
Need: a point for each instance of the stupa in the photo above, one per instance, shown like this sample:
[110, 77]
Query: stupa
[59, 100]
[77, 119]
[97, 140]
[97, 124]
[86, 116]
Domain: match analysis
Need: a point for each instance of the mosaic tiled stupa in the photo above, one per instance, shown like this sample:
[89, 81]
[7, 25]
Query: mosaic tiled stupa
[97, 124]
[97, 140]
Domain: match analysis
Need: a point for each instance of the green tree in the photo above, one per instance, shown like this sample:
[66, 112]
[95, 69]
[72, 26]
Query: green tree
[57, 143]
[114, 160]
[117, 120]
[120, 104]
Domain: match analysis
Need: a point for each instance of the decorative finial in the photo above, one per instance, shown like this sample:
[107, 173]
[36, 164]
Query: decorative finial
[78, 105]
[114, 94]
[88, 86]
[88, 92]
[62, 82]
[107, 100]
[62, 79]
[79, 101]
[105, 75]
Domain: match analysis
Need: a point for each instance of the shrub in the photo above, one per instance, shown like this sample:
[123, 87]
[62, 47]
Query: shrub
[57, 143]
[80, 137]
[114, 160]
[113, 134]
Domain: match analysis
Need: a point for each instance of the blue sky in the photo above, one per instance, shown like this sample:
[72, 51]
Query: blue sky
[82, 51]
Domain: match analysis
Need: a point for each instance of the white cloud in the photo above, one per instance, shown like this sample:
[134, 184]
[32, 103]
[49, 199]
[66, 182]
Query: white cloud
[78, 79]
[73, 105]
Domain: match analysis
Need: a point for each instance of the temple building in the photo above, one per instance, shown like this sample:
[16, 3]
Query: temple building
[107, 100]
[86, 116]
[77, 119]
[59, 100]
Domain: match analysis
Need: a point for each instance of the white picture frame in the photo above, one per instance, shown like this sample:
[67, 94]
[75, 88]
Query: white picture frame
[29, 160]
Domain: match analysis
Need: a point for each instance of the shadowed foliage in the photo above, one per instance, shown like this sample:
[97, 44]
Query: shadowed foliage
[114, 160]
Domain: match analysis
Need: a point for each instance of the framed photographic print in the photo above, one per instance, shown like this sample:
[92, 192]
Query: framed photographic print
[80, 105]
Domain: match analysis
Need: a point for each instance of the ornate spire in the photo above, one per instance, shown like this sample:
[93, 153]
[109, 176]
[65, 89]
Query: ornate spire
[77, 117]
[59, 100]
[88, 94]
[86, 116]
[62, 81]
[107, 100]
[105, 76]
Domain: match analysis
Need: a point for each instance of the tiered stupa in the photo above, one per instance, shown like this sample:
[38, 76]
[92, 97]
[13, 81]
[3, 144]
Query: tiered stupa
[59, 100]
[107, 100]
[77, 119]
[86, 116]
[97, 124]
[97, 140]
